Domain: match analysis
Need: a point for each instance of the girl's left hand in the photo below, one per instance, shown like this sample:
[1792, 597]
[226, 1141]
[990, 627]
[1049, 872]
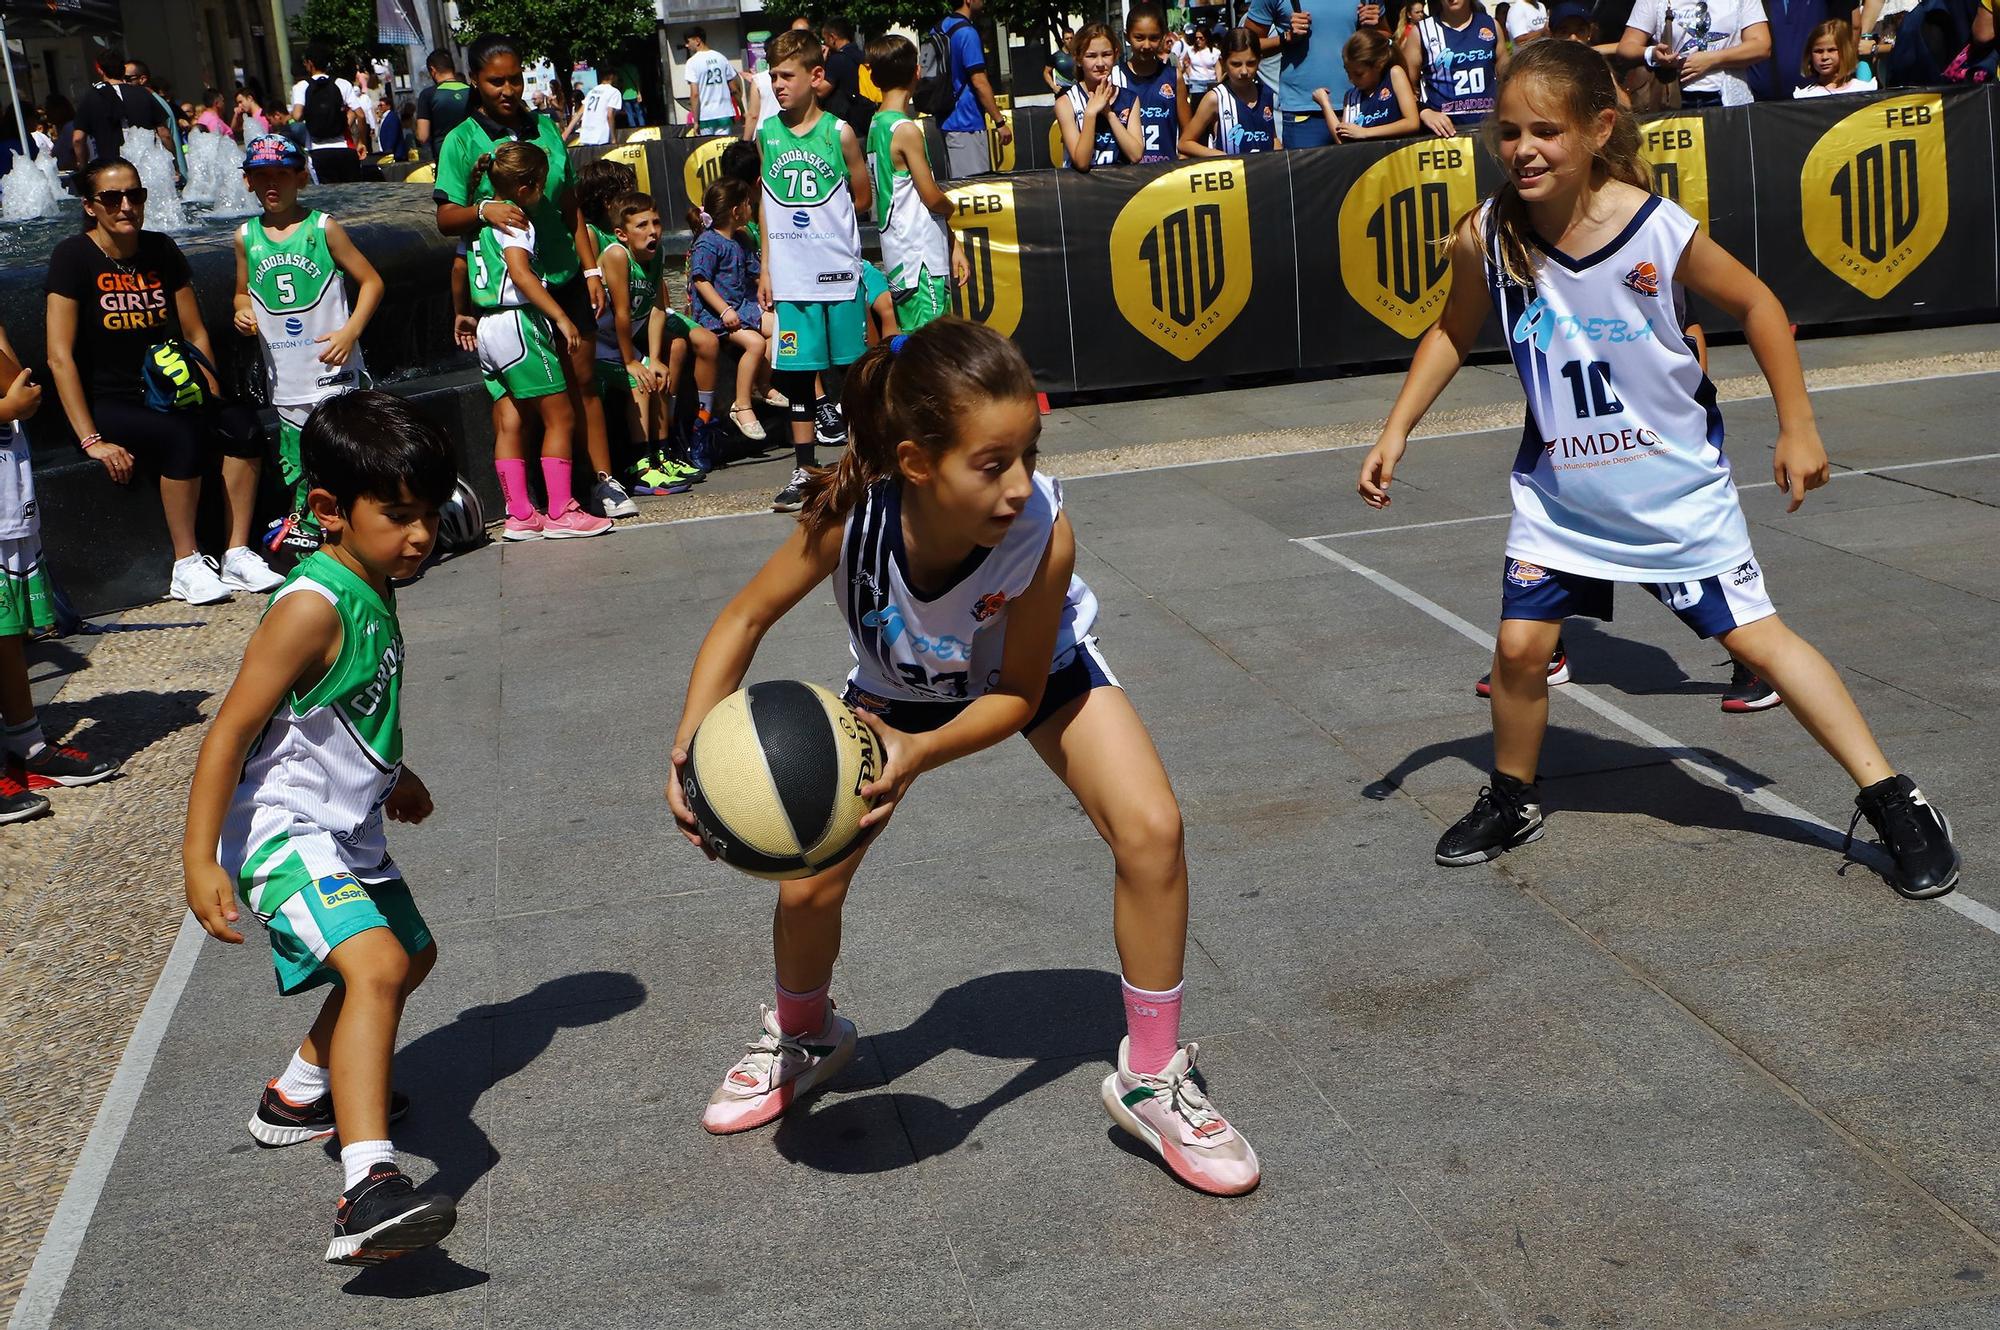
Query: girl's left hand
[1800, 464]
[410, 801]
[1438, 123]
[902, 763]
[597, 297]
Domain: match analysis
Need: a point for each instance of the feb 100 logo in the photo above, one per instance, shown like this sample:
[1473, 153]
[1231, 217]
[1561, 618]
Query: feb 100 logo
[989, 232]
[1395, 232]
[1872, 192]
[1180, 256]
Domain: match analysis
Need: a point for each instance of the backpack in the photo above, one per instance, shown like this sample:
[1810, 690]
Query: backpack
[326, 109]
[936, 95]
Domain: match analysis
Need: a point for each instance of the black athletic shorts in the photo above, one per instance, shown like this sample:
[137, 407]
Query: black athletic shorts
[180, 445]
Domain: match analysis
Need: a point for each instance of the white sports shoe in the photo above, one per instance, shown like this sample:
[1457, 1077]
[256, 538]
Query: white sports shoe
[195, 582]
[611, 498]
[777, 1072]
[245, 570]
[1169, 1112]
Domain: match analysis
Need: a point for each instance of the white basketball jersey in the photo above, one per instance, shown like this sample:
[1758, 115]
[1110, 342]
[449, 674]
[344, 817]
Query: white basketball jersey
[1621, 473]
[947, 648]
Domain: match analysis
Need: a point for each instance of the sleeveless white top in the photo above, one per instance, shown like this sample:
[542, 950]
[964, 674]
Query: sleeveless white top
[1621, 473]
[947, 648]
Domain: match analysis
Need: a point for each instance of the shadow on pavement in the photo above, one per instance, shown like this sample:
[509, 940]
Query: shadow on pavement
[1055, 1020]
[421, 1274]
[1636, 669]
[119, 726]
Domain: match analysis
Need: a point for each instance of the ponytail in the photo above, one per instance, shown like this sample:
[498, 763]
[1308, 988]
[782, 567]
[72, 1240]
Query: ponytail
[511, 167]
[717, 206]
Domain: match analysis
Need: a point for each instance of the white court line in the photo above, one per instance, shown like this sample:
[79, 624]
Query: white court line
[43, 1290]
[1760, 485]
[1684, 755]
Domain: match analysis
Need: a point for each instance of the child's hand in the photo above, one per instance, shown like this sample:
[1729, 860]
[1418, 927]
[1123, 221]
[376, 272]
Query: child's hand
[961, 270]
[764, 300]
[731, 320]
[410, 801]
[651, 378]
[677, 803]
[902, 763]
[1323, 97]
[1438, 123]
[1800, 464]
[339, 346]
[1379, 468]
[571, 338]
[465, 332]
[212, 897]
[246, 322]
[1099, 99]
[24, 396]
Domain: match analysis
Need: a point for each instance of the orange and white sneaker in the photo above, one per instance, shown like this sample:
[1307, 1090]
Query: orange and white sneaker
[1169, 1112]
[778, 1071]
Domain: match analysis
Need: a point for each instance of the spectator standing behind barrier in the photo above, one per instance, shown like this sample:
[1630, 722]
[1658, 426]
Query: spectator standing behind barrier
[1060, 72]
[1830, 61]
[711, 85]
[323, 103]
[1238, 116]
[126, 348]
[967, 150]
[843, 75]
[1154, 82]
[597, 113]
[1201, 67]
[1099, 119]
[1381, 102]
[1455, 60]
[1705, 44]
[1308, 36]
[442, 105]
[1792, 28]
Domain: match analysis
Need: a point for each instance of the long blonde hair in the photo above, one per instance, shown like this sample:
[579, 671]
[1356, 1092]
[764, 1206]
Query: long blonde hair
[1577, 82]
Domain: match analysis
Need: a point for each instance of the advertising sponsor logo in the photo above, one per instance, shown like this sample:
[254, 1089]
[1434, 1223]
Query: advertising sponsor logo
[340, 889]
[295, 326]
[990, 235]
[1644, 278]
[703, 167]
[1180, 256]
[1526, 574]
[1872, 192]
[788, 343]
[634, 156]
[1677, 150]
[1001, 154]
[1395, 228]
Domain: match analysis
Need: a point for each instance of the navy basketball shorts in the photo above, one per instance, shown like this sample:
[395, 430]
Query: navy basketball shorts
[1074, 673]
[1711, 607]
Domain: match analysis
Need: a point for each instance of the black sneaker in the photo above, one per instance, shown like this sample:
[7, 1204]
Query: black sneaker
[60, 764]
[792, 497]
[829, 425]
[280, 1122]
[1916, 835]
[1746, 692]
[16, 803]
[384, 1216]
[1508, 813]
[1558, 672]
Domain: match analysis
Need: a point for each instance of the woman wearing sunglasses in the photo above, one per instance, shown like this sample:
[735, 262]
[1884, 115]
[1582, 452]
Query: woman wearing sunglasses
[132, 363]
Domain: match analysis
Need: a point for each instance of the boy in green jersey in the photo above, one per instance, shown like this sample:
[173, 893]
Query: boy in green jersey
[920, 253]
[813, 181]
[289, 292]
[301, 765]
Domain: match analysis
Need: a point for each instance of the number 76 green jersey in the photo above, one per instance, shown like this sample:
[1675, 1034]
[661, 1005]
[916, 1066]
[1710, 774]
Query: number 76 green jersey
[299, 296]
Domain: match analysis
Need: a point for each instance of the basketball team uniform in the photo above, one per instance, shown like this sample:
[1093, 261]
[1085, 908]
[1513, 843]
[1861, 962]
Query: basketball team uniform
[298, 297]
[1459, 67]
[1366, 110]
[815, 246]
[25, 604]
[1104, 149]
[518, 349]
[1244, 127]
[916, 243]
[1621, 476]
[643, 285]
[919, 662]
[304, 834]
[1159, 111]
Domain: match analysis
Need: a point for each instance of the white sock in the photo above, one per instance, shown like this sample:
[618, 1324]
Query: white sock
[361, 1156]
[23, 740]
[302, 1082]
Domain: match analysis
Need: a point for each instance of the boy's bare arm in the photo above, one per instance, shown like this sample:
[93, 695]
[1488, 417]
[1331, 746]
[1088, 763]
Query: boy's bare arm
[367, 296]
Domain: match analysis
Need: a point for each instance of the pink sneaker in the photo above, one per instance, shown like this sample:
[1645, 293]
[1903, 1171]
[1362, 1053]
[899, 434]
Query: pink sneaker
[1170, 1113]
[523, 528]
[572, 523]
[777, 1072]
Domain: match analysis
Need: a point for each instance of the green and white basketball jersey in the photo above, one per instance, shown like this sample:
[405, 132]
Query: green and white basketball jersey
[809, 212]
[914, 239]
[326, 762]
[492, 286]
[299, 297]
[645, 290]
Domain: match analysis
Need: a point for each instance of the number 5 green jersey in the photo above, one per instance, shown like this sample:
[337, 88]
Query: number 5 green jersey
[299, 297]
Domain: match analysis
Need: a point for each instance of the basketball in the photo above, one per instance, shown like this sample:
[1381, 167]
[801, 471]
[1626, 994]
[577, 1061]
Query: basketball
[774, 777]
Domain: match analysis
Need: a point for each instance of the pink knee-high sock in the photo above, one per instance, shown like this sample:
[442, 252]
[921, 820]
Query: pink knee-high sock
[555, 479]
[801, 1013]
[513, 472]
[1153, 1022]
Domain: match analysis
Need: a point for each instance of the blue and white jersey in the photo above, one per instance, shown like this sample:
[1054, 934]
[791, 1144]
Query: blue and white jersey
[1365, 110]
[1244, 127]
[947, 648]
[1104, 149]
[1460, 67]
[1159, 111]
[1621, 473]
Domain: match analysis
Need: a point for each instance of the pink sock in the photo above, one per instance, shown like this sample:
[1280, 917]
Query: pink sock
[555, 478]
[1153, 1021]
[513, 472]
[804, 1013]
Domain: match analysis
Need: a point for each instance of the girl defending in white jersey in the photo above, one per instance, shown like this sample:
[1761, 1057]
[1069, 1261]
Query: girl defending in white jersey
[1621, 475]
[951, 559]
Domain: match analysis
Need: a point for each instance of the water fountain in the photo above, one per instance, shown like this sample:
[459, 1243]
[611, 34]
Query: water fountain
[155, 165]
[215, 176]
[30, 190]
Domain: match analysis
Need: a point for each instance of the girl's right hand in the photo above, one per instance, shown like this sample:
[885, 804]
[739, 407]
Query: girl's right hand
[1379, 468]
[731, 320]
[1099, 99]
[571, 338]
[465, 332]
[1438, 123]
[1323, 97]
[117, 462]
[507, 216]
[677, 802]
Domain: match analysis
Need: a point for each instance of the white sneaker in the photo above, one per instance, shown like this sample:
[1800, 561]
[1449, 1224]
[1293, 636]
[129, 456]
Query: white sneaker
[244, 569]
[777, 1071]
[611, 498]
[1169, 1112]
[195, 582]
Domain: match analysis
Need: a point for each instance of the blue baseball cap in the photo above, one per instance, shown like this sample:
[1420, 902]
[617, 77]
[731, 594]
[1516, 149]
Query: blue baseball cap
[273, 150]
[1571, 9]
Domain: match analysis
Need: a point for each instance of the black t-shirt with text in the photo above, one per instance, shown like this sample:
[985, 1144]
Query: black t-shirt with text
[124, 306]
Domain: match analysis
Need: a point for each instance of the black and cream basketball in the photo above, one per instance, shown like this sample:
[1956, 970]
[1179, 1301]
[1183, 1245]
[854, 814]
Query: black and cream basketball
[774, 777]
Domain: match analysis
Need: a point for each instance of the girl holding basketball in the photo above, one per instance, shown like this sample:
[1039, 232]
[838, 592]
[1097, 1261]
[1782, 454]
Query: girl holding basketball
[952, 561]
[1621, 476]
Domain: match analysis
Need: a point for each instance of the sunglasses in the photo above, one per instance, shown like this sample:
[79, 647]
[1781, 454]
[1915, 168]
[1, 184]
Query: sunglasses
[115, 199]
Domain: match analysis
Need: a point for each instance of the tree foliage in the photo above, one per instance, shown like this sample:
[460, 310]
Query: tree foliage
[345, 27]
[1032, 19]
[560, 30]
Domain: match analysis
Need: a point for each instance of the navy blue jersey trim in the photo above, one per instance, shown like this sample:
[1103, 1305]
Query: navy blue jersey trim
[1639, 219]
[892, 524]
